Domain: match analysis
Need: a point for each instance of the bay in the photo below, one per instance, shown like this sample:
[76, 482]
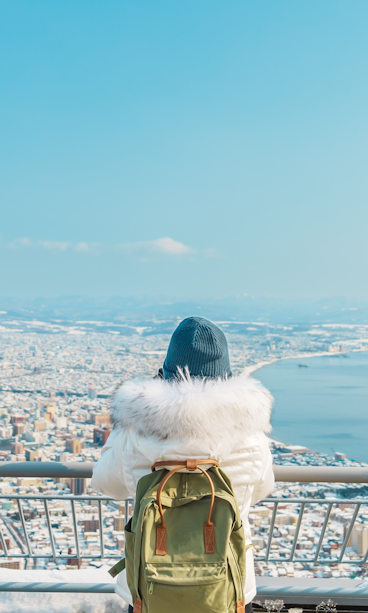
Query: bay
[324, 406]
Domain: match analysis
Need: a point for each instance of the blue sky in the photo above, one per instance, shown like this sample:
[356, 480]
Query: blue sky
[194, 148]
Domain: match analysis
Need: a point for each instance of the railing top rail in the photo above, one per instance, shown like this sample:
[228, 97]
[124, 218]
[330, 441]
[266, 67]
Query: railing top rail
[270, 500]
[296, 474]
[47, 469]
[320, 474]
[75, 497]
[318, 500]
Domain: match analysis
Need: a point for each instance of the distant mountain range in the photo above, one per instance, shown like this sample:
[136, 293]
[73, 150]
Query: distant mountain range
[152, 308]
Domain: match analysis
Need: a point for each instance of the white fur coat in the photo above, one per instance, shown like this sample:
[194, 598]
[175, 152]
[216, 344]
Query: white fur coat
[157, 420]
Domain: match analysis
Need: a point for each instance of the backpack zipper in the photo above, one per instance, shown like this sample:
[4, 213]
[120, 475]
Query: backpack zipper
[150, 588]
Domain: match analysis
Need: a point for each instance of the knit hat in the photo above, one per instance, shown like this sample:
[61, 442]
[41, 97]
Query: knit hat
[200, 346]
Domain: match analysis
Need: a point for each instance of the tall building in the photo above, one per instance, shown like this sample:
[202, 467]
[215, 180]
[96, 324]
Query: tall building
[359, 539]
[78, 486]
[119, 523]
[91, 391]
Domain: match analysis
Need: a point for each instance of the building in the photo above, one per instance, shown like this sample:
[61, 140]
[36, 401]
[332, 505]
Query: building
[14, 565]
[6, 443]
[119, 523]
[359, 540]
[52, 408]
[91, 525]
[7, 543]
[32, 455]
[78, 486]
[120, 541]
[17, 419]
[100, 436]
[74, 445]
[18, 429]
[73, 561]
[284, 519]
[340, 456]
[28, 481]
[39, 424]
[6, 431]
[61, 422]
[62, 457]
[99, 418]
[17, 448]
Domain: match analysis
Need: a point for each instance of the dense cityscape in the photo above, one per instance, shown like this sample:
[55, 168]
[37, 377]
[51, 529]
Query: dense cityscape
[55, 382]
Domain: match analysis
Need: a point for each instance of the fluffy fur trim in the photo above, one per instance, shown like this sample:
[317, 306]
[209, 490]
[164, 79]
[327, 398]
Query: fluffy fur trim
[193, 409]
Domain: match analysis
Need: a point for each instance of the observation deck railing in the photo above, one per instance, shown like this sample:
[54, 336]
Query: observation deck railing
[271, 552]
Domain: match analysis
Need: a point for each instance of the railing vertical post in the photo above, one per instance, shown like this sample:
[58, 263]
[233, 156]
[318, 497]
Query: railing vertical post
[322, 535]
[21, 515]
[49, 528]
[5, 549]
[102, 547]
[300, 518]
[272, 525]
[75, 526]
[346, 540]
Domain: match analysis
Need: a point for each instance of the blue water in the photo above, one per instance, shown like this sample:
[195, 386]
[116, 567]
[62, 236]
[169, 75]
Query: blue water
[324, 407]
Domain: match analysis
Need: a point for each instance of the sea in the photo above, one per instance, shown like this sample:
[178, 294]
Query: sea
[323, 406]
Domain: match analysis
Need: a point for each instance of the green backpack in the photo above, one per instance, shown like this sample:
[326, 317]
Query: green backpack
[184, 545]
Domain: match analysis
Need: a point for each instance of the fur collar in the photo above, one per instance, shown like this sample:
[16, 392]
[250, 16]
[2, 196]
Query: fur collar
[193, 409]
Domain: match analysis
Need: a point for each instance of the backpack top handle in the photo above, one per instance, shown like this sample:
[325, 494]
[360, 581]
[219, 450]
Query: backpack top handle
[209, 528]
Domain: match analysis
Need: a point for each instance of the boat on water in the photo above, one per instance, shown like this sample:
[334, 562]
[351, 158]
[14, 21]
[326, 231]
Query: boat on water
[303, 365]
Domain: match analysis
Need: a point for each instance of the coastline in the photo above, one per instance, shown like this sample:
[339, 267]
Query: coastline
[249, 370]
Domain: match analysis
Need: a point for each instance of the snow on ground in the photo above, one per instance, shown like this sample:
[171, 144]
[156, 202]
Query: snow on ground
[25, 602]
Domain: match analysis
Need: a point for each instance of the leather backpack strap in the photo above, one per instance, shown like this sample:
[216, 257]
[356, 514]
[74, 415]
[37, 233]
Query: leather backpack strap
[209, 528]
[188, 464]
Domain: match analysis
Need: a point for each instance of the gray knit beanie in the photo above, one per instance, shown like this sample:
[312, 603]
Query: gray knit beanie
[199, 345]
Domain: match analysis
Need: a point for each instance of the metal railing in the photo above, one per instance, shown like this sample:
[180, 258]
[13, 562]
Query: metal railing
[292, 474]
[316, 558]
[61, 554]
[271, 552]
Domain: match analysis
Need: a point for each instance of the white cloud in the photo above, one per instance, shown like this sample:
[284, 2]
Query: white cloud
[170, 246]
[82, 247]
[166, 246]
[57, 245]
[20, 242]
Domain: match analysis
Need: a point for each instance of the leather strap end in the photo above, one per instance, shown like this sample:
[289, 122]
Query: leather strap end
[209, 538]
[137, 605]
[240, 608]
[161, 540]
